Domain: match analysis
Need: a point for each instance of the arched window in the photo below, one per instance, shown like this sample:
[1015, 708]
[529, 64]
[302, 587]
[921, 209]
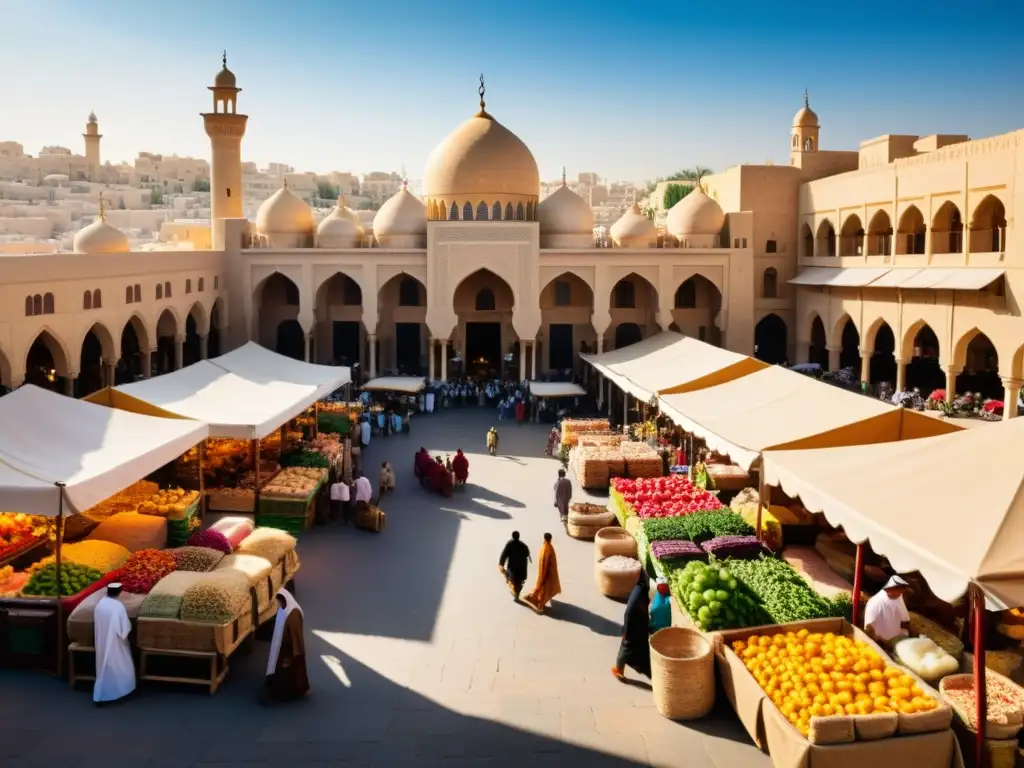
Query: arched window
[202, 284]
[87, 300]
[508, 211]
[48, 304]
[138, 293]
[770, 283]
[485, 300]
[481, 212]
[216, 282]
[97, 299]
[453, 215]
[37, 305]
[520, 213]
[159, 291]
[625, 295]
[127, 294]
[408, 293]
[467, 212]
[188, 285]
[28, 307]
[686, 295]
[291, 294]
[809, 144]
[167, 290]
[496, 212]
[796, 141]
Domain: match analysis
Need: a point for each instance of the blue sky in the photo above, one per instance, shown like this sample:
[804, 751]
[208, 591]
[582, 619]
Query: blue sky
[630, 90]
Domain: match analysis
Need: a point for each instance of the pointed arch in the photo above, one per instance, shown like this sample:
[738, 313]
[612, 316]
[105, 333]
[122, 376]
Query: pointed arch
[947, 229]
[771, 339]
[988, 226]
[851, 239]
[806, 241]
[880, 234]
[198, 314]
[910, 233]
[55, 346]
[105, 338]
[87, 300]
[453, 213]
[770, 283]
[836, 337]
[520, 213]
[482, 213]
[817, 341]
[496, 211]
[467, 212]
[168, 324]
[825, 240]
[508, 212]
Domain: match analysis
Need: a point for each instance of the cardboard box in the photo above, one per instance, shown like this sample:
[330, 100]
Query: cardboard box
[774, 734]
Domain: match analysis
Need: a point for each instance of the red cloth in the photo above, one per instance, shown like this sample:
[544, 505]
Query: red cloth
[460, 466]
[71, 602]
[520, 410]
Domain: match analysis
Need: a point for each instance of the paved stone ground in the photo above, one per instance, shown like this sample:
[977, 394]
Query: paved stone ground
[417, 655]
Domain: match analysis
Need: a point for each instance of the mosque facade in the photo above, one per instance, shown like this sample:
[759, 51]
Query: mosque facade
[900, 260]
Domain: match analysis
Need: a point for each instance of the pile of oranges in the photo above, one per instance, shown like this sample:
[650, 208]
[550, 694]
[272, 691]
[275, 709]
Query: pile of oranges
[814, 674]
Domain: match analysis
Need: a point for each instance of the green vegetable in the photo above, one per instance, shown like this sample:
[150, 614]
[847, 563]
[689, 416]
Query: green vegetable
[73, 579]
[304, 458]
[698, 527]
[783, 593]
[701, 590]
[334, 423]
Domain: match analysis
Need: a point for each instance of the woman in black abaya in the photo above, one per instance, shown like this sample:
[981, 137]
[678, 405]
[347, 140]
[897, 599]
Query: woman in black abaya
[635, 650]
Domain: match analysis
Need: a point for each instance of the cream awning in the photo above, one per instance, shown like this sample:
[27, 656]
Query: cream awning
[894, 278]
[46, 438]
[778, 408]
[407, 384]
[929, 506]
[956, 279]
[262, 366]
[839, 277]
[556, 389]
[670, 362]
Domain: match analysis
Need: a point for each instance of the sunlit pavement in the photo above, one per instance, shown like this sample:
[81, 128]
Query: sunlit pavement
[417, 654]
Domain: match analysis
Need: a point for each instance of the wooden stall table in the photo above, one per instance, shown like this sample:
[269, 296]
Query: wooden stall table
[191, 641]
[74, 676]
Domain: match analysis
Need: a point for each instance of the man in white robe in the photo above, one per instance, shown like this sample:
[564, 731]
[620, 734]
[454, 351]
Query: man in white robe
[115, 671]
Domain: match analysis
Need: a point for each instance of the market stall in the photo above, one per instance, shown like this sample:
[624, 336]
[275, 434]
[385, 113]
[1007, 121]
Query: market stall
[918, 523]
[60, 457]
[406, 385]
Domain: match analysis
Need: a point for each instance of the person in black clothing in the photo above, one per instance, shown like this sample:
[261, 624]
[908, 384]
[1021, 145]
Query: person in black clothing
[634, 650]
[512, 564]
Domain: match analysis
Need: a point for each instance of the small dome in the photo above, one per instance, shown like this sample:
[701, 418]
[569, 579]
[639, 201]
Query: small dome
[284, 213]
[806, 117]
[341, 228]
[695, 214]
[633, 229]
[402, 214]
[565, 213]
[100, 237]
[481, 160]
[225, 78]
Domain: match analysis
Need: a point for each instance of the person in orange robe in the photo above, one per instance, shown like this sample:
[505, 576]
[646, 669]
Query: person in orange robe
[548, 585]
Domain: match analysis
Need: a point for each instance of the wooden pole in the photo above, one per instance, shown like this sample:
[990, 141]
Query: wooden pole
[316, 418]
[980, 687]
[201, 454]
[858, 575]
[57, 558]
[256, 475]
[760, 494]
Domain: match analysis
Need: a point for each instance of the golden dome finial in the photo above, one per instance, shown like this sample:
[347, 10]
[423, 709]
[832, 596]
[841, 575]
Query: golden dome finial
[103, 209]
[807, 101]
[224, 59]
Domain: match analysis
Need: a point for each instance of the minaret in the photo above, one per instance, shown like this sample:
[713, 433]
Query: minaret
[92, 138]
[225, 128]
[804, 137]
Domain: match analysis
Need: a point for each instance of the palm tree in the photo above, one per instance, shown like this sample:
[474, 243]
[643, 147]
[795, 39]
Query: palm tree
[694, 174]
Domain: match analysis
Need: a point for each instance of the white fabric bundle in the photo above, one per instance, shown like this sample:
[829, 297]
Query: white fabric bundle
[923, 656]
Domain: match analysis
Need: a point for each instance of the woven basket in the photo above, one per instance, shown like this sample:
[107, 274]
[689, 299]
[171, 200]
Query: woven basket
[682, 673]
[583, 532]
[959, 682]
[591, 516]
[201, 636]
[835, 729]
[613, 541]
[616, 584]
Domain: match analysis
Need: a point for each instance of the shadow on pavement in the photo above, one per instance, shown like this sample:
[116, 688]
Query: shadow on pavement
[574, 614]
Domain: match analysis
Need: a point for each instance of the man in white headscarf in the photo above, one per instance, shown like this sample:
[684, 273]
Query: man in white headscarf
[885, 616]
[115, 672]
[286, 668]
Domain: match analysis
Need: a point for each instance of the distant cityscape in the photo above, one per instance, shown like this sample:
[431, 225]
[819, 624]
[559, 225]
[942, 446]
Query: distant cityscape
[160, 200]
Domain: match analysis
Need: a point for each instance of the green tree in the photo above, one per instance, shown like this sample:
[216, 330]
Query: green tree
[674, 193]
[201, 185]
[326, 191]
[156, 196]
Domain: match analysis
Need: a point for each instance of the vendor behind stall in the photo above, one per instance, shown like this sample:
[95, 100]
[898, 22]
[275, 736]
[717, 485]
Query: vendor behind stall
[885, 616]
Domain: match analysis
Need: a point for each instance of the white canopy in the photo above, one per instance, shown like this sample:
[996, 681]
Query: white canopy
[262, 366]
[950, 507]
[670, 362]
[46, 438]
[408, 384]
[778, 408]
[233, 406]
[556, 389]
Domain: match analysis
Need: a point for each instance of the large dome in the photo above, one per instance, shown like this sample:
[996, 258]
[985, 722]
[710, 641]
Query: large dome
[633, 229]
[283, 213]
[401, 221]
[695, 214]
[340, 229]
[481, 160]
[565, 213]
[100, 237]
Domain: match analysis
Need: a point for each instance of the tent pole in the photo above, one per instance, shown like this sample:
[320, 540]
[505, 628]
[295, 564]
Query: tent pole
[980, 693]
[201, 455]
[57, 557]
[316, 418]
[256, 474]
[858, 576]
[760, 494]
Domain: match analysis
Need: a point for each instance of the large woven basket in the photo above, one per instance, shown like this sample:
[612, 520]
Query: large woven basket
[616, 584]
[202, 636]
[585, 520]
[682, 673]
[613, 541]
[992, 730]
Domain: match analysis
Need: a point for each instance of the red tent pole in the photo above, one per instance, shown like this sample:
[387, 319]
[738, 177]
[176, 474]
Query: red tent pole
[980, 692]
[858, 576]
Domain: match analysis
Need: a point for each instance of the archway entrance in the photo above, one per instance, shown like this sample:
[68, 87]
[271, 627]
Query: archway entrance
[216, 317]
[483, 303]
[883, 357]
[166, 331]
[924, 372]
[818, 350]
[770, 340]
[192, 351]
[133, 340]
[45, 364]
[849, 357]
[566, 308]
[626, 334]
[290, 341]
[981, 369]
[402, 309]
[339, 310]
[274, 302]
[695, 308]
[90, 377]
[633, 301]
